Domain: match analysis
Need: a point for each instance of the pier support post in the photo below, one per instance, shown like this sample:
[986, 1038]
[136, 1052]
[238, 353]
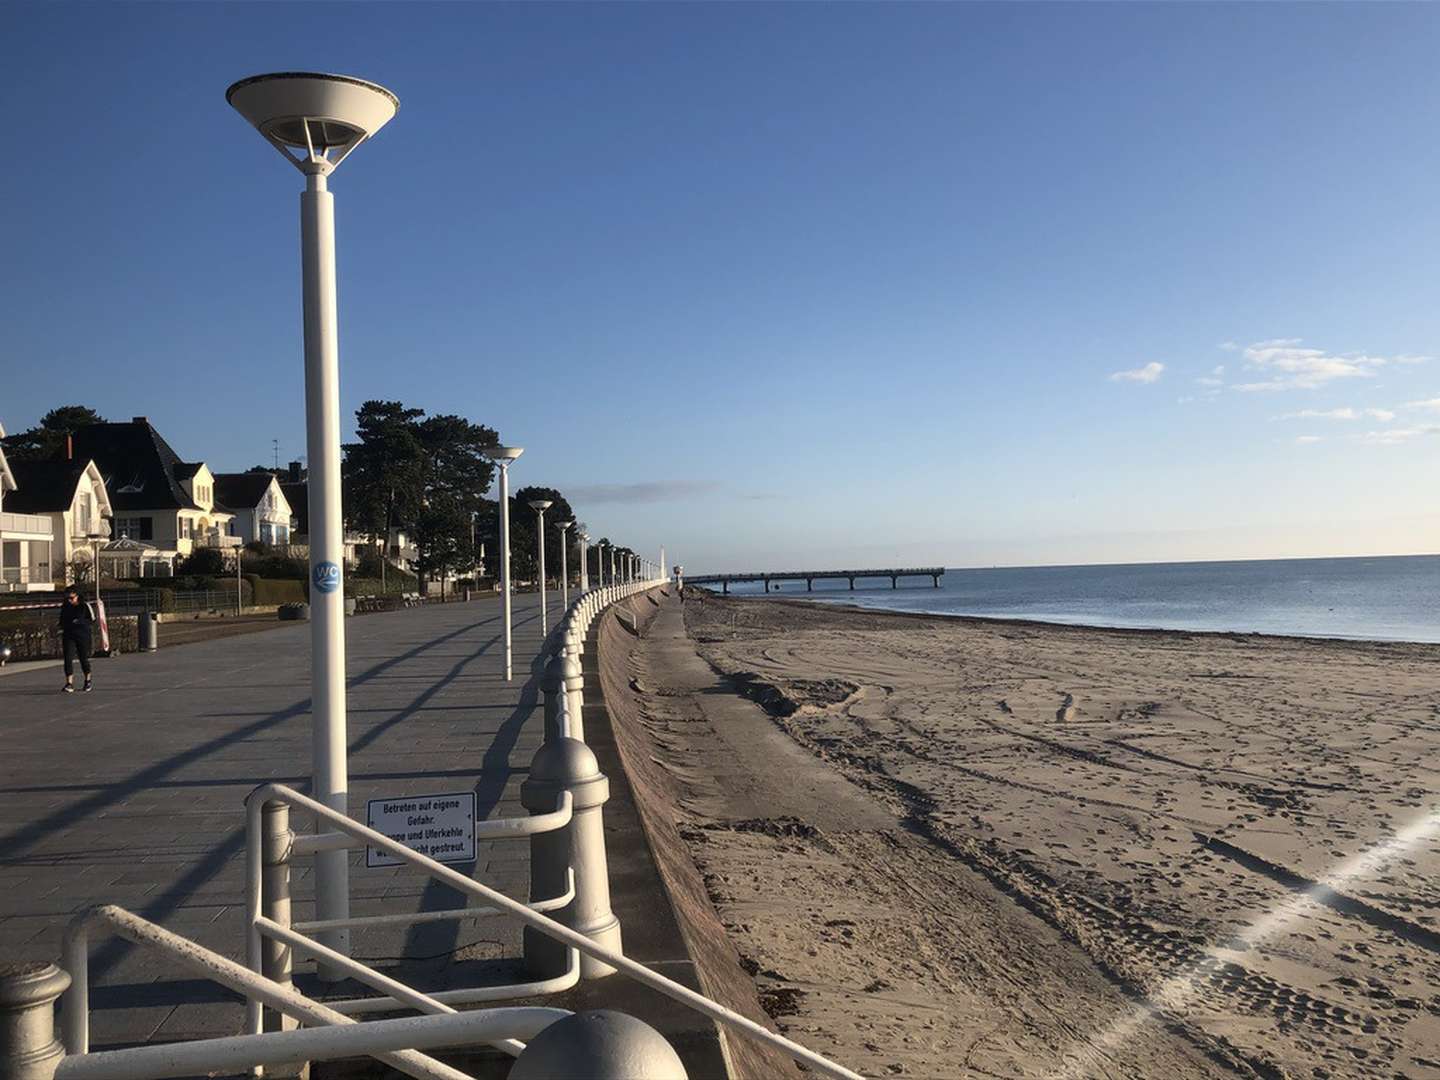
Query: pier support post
[894, 582]
[809, 584]
[852, 584]
[937, 580]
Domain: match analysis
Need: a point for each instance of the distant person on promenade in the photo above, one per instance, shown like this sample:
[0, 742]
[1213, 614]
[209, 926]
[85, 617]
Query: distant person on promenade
[75, 622]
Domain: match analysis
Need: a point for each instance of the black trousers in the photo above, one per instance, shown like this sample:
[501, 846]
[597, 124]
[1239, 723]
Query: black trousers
[77, 646]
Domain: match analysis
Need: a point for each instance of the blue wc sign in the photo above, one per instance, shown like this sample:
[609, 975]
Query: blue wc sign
[325, 577]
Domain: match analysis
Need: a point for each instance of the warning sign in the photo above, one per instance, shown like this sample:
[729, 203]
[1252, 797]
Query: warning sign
[440, 826]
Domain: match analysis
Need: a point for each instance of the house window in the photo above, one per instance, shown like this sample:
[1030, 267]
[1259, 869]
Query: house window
[82, 515]
[186, 526]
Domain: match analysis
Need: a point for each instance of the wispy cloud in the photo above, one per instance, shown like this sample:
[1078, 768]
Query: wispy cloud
[1429, 404]
[1286, 364]
[1395, 436]
[648, 491]
[1383, 415]
[653, 491]
[1306, 440]
[1148, 374]
[1210, 381]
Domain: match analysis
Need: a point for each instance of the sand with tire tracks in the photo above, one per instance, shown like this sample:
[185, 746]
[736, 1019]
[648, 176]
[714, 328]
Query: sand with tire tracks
[1107, 852]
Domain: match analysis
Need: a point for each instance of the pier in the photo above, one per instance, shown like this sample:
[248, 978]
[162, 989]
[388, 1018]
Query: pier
[934, 573]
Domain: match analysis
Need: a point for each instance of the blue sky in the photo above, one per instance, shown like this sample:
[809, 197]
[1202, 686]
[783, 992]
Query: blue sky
[778, 285]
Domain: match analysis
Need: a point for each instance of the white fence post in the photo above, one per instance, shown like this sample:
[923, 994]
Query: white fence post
[277, 958]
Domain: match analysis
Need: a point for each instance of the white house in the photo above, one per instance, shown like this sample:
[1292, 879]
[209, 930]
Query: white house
[158, 499]
[71, 495]
[262, 513]
[25, 539]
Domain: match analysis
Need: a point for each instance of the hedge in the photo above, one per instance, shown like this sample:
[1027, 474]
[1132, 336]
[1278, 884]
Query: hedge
[269, 592]
[36, 640]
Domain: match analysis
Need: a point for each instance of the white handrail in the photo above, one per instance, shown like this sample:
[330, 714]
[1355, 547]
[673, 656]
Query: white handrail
[555, 930]
[410, 918]
[398, 991]
[515, 828]
[232, 1053]
[75, 1010]
[474, 994]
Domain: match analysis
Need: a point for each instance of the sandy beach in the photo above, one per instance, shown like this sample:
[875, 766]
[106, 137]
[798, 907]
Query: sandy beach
[952, 847]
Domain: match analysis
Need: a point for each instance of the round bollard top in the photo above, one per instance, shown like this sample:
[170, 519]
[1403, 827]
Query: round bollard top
[30, 983]
[599, 1045]
[564, 760]
[571, 670]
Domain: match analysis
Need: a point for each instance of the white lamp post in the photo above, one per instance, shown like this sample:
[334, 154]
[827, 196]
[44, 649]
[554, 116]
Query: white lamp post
[504, 456]
[584, 539]
[540, 506]
[564, 526]
[306, 116]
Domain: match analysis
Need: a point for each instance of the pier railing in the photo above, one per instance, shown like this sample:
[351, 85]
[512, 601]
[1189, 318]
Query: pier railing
[935, 573]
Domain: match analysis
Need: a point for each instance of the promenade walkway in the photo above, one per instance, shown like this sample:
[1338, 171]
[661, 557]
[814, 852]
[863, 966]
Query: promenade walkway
[133, 795]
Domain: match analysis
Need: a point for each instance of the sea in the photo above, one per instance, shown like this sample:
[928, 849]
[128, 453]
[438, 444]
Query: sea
[1382, 598]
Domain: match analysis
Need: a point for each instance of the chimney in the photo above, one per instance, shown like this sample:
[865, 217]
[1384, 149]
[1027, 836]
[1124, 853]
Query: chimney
[140, 419]
[69, 447]
[294, 472]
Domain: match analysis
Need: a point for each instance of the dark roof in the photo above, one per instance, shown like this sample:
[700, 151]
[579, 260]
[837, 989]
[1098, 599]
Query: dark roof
[137, 464]
[241, 491]
[44, 487]
[186, 469]
[297, 495]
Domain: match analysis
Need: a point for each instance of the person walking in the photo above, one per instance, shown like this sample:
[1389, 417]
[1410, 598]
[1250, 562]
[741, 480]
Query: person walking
[75, 623]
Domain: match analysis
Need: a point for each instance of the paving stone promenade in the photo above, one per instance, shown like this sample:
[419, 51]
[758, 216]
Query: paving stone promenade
[133, 795]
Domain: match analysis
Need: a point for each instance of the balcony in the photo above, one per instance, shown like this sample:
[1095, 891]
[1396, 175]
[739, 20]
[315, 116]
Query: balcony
[26, 527]
[213, 539]
[25, 578]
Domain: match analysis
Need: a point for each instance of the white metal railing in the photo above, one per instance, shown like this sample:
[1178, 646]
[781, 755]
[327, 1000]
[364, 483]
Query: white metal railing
[276, 925]
[574, 941]
[395, 1042]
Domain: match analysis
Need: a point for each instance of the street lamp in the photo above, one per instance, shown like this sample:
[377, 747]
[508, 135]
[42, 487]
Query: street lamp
[584, 539]
[505, 456]
[540, 506]
[306, 116]
[563, 526]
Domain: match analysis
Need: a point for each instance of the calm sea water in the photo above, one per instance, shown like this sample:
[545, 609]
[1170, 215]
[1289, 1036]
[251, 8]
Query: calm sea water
[1392, 598]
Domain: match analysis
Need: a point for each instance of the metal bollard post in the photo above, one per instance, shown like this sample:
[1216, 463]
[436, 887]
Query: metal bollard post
[598, 1045]
[570, 765]
[575, 695]
[28, 1047]
[552, 686]
[277, 959]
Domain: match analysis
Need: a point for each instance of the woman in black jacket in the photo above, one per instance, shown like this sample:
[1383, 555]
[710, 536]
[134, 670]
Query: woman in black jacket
[75, 620]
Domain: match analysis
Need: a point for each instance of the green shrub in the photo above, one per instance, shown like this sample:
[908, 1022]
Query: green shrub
[165, 599]
[206, 562]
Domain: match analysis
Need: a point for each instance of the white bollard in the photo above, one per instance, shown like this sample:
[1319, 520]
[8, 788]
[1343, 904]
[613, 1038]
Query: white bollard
[29, 1049]
[558, 766]
[598, 1045]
